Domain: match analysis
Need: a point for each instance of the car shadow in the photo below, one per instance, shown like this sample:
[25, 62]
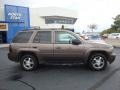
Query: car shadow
[44, 70]
[17, 72]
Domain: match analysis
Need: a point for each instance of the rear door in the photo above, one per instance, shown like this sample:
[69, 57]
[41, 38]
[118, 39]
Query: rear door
[43, 42]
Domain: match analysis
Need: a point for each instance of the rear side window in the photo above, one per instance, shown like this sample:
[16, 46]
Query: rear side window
[42, 37]
[22, 37]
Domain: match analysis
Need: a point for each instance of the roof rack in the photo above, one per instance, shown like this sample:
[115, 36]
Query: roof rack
[38, 28]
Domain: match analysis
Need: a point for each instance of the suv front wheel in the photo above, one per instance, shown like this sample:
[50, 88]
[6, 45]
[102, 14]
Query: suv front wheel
[97, 61]
[28, 62]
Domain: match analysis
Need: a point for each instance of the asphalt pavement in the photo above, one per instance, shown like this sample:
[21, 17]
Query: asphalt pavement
[58, 77]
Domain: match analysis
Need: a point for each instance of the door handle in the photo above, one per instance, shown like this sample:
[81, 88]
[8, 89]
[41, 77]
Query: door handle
[34, 47]
[58, 47]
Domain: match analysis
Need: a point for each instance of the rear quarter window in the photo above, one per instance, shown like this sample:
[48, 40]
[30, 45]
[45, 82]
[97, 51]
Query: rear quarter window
[22, 37]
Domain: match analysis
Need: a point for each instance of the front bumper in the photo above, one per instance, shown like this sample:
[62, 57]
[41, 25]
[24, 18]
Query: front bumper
[112, 58]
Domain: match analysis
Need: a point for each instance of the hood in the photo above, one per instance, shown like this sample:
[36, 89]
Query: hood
[98, 44]
[97, 41]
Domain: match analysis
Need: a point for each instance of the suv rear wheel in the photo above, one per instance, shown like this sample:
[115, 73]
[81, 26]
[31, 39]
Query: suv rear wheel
[29, 62]
[97, 61]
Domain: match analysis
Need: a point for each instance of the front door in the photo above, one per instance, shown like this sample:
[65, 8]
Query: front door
[64, 50]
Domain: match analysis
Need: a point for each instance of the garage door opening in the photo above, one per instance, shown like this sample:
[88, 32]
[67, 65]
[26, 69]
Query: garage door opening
[3, 32]
[3, 37]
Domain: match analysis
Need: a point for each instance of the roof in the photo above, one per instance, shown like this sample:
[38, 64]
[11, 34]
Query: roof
[62, 17]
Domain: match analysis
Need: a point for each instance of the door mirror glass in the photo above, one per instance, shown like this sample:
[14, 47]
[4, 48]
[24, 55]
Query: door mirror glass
[76, 42]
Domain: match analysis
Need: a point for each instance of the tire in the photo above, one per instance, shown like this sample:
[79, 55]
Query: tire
[29, 62]
[97, 62]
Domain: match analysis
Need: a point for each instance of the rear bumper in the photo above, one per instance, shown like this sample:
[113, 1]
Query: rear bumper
[112, 58]
[12, 57]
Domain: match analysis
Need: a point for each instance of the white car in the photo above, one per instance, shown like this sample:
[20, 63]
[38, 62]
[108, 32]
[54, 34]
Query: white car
[114, 35]
[95, 38]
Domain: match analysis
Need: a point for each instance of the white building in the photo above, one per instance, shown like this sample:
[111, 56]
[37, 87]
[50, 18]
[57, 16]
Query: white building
[46, 17]
[53, 17]
[17, 15]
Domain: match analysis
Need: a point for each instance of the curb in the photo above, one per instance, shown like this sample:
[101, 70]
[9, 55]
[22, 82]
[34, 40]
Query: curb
[4, 45]
[116, 46]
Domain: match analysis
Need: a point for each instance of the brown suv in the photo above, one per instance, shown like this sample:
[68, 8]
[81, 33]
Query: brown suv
[35, 47]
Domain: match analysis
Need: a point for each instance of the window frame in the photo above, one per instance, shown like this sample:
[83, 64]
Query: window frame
[39, 41]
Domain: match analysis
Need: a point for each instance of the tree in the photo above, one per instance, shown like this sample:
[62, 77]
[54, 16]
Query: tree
[116, 24]
[92, 27]
[115, 27]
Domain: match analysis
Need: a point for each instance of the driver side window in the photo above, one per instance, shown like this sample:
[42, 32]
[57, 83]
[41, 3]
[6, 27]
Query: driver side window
[63, 37]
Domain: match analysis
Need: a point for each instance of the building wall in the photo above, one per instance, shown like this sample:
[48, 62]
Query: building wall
[37, 16]
[16, 17]
[1, 13]
[37, 13]
[35, 19]
[49, 11]
[24, 3]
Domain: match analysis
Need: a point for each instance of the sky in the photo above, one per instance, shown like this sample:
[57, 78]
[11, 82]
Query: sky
[99, 12]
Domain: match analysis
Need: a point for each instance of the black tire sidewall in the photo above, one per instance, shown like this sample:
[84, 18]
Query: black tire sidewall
[34, 60]
[91, 58]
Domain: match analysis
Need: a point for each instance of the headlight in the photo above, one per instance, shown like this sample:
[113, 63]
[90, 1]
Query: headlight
[109, 47]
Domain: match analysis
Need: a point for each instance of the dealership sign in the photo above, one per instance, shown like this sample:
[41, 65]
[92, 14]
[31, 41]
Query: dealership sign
[15, 16]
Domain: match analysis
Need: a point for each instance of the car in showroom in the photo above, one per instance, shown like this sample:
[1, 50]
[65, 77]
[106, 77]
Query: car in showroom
[34, 47]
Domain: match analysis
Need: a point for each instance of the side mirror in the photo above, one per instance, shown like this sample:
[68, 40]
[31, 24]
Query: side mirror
[76, 42]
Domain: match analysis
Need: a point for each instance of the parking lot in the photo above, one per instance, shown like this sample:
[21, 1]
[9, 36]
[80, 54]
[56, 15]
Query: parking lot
[58, 77]
[114, 42]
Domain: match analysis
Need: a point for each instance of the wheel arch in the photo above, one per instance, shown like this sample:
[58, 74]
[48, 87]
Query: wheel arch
[101, 52]
[20, 54]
